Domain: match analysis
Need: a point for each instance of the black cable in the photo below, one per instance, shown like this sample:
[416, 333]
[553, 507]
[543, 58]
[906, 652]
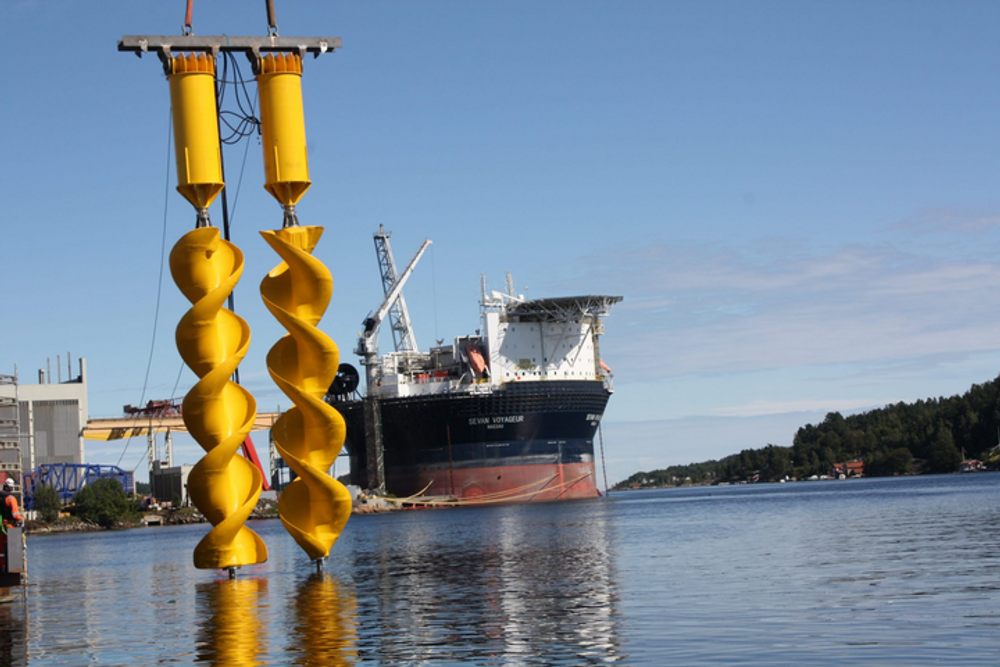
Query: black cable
[245, 100]
[242, 122]
[246, 124]
[239, 181]
[159, 285]
[248, 121]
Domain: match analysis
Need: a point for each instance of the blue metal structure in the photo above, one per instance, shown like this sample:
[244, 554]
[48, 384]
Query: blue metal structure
[68, 478]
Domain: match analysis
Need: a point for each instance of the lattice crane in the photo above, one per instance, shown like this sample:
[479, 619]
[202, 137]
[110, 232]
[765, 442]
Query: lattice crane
[393, 306]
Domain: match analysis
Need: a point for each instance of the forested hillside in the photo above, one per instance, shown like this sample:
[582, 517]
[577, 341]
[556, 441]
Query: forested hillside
[923, 437]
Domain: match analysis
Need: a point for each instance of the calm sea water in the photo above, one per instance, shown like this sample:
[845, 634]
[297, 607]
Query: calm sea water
[860, 572]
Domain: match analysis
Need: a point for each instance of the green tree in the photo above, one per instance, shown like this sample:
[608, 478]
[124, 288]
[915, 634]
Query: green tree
[47, 501]
[778, 462]
[882, 463]
[103, 502]
[899, 461]
[943, 455]
[888, 439]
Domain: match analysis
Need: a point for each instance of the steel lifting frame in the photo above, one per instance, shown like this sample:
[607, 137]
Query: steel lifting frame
[164, 45]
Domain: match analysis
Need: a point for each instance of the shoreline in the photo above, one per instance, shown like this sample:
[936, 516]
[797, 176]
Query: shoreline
[162, 518]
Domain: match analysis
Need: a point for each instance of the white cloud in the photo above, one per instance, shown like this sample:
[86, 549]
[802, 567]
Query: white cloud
[948, 220]
[763, 407]
[710, 309]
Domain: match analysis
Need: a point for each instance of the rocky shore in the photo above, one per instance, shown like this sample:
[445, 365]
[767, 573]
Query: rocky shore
[266, 509]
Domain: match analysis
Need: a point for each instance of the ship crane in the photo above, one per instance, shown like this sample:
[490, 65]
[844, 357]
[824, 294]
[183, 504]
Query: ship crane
[399, 317]
[393, 306]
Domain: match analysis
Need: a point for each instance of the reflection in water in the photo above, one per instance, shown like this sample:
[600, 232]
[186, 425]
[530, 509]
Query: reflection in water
[232, 631]
[325, 624]
[577, 607]
[13, 628]
[894, 572]
[527, 587]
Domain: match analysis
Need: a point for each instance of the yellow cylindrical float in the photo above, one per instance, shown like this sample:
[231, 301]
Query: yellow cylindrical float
[283, 127]
[196, 128]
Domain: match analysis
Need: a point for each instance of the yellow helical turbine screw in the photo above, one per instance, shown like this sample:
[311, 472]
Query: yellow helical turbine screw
[217, 412]
[314, 507]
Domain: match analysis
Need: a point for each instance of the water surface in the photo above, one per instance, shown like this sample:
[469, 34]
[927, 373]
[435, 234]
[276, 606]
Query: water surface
[901, 571]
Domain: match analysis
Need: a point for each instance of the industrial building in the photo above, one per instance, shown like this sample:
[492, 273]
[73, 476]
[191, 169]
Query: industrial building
[47, 419]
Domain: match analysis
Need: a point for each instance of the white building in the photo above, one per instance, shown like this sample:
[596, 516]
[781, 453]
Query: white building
[51, 418]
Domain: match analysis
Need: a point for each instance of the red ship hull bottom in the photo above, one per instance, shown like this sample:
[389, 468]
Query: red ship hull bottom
[501, 484]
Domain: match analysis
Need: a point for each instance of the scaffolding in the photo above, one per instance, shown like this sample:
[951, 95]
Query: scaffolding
[10, 435]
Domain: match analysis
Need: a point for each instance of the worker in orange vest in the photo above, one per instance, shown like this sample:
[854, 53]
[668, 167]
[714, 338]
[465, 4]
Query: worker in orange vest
[8, 506]
[11, 516]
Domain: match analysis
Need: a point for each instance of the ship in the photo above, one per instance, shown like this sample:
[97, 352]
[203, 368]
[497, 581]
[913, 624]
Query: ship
[508, 414]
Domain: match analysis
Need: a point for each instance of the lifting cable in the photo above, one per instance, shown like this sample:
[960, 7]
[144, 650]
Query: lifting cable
[244, 128]
[159, 282]
[187, 29]
[241, 123]
[272, 23]
[434, 295]
[173, 393]
[245, 125]
[604, 467]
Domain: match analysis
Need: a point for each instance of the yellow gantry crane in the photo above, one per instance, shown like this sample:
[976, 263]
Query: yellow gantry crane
[213, 340]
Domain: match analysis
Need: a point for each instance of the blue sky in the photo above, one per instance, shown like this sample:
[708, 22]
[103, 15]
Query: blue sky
[798, 200]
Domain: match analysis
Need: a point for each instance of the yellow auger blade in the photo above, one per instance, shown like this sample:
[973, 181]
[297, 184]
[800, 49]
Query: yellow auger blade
[314, 507]
[217, 412]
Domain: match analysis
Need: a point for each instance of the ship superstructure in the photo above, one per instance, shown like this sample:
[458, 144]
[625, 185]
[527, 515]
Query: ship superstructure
[521, 340]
